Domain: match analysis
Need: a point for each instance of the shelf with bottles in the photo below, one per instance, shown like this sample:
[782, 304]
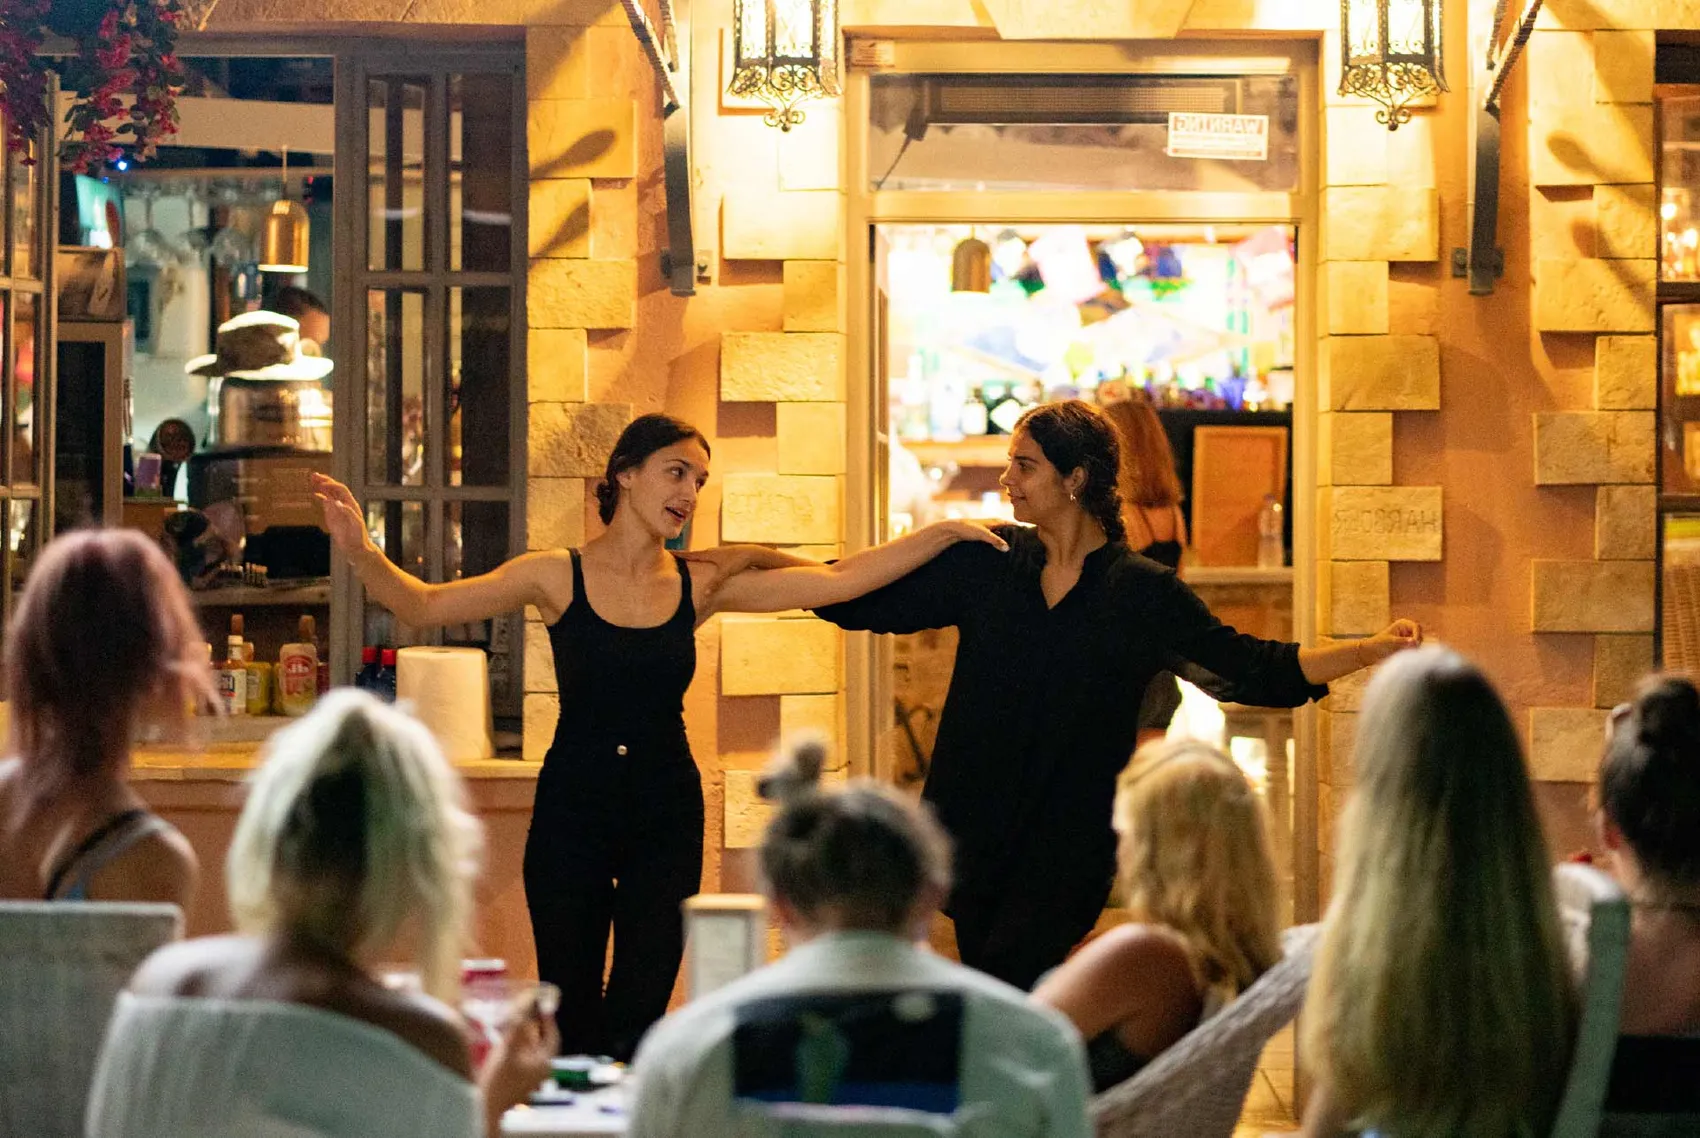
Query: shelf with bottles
[309, 595]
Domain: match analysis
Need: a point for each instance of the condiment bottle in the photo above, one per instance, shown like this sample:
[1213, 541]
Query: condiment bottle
[367, 678]
[233, 679]
[259, 685]
[383, 685]
[298, 672]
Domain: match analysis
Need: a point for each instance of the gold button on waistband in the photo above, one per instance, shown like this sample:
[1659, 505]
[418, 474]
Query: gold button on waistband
[620, 750]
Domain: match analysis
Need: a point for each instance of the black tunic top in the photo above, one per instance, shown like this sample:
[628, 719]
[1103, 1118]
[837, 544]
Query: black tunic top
[1043, 704]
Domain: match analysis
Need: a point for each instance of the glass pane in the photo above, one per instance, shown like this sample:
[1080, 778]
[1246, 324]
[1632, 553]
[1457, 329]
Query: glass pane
[480, 386]
[25, 337]
[398, 528]
[23, 541]
[1071, 132]
[1679, 212]
[476, 542]
[25, 180]
[481, 141]
[396, 173]
[395, 387]
[1679, 434]
[1680, 618]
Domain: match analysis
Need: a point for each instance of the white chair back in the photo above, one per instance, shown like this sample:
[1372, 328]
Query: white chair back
[1198, 1086]
[1595, 917]
[64, 965]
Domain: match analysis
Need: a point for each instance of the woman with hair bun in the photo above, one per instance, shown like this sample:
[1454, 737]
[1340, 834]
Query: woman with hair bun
[859, 1020]
[617, 826]
[1058, 639]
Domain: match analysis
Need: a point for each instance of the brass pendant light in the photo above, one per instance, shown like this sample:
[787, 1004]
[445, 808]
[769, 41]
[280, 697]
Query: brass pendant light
[971, 266]
[283, 242]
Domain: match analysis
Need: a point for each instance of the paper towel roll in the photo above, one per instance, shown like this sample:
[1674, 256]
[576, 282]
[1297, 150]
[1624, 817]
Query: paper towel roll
[449, 691]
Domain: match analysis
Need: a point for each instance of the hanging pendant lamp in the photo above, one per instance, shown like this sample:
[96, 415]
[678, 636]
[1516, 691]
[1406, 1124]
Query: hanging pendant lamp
[971, 266]
[283, 242]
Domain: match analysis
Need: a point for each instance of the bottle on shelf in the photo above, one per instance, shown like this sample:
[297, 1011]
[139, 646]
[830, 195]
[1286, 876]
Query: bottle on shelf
[298, 671]
[973, 414]
[366, 679]
[383, 684]
[233, 678]
[1271, 524]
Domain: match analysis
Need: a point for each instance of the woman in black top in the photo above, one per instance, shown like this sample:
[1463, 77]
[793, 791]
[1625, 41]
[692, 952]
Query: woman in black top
[617, 826]
[1057, 638]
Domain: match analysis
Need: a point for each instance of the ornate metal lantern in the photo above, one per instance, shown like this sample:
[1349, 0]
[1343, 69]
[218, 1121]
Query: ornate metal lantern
[1390, 51]
[785, 51]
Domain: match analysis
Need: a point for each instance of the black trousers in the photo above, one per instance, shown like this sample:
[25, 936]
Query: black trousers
[615, 846]
[1029, 924]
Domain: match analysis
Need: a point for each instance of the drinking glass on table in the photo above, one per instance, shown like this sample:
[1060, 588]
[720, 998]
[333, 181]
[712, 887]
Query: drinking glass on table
[492, 1004]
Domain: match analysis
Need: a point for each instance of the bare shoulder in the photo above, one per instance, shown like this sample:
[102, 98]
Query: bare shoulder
[549, 572]
[1143, 947]
[161, 866]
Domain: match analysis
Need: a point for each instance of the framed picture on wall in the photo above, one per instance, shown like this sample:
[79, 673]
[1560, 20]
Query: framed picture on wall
[91, 283]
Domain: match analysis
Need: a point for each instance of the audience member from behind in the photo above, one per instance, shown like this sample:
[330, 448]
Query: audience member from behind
[858, 1014]
[1441, 1004]
[354, 847]
[1649, 821]
[103, 643]
[1197, 873]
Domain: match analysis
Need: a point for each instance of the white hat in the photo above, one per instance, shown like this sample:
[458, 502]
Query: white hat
[260, 345]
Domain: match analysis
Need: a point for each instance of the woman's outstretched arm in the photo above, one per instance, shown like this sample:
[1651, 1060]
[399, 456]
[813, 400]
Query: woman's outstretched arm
[1328, 662]
[811, 585]
[530, 579]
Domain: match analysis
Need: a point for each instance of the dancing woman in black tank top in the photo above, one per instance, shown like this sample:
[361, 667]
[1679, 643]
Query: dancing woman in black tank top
[617, 827]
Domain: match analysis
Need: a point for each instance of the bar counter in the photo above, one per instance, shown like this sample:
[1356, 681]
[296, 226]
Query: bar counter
[200, 789]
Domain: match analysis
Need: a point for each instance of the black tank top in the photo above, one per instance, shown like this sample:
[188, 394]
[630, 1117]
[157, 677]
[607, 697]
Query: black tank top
[622, 682]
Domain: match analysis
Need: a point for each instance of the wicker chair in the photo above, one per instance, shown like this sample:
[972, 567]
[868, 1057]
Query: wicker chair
[65, 963]
[1198, 1087]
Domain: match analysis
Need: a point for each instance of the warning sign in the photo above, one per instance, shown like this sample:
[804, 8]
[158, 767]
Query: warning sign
[1241, 138]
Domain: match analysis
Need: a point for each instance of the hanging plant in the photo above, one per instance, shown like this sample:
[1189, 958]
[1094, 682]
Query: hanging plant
[124, 76]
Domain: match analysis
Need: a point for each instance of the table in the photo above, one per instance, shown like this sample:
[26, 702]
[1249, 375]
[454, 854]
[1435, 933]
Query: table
[589, 1114]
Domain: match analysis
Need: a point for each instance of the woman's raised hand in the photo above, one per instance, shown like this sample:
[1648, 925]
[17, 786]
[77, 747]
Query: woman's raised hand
[344, 519]
[1396, 637]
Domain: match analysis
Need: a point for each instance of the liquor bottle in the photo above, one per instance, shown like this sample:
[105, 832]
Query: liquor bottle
[383, 685]
[233, 678]
[366, 679]
[1271, 524]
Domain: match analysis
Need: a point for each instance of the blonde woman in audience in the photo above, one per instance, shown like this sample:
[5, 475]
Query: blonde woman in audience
[354, 847]
[1442, 1002]
[1196, 871]
[858, 1020]
[103, 643]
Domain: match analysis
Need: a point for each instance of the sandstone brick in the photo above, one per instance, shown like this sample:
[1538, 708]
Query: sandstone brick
[1261, 15]
[1627, 220]
[1087, 19]
[541, 712]
[539, 659]
[1588, 15]
[600, 295]
[1356, 150]
[778, 657]
[1626, 373]
[1381, 223]
[1384, 523]
[614, 221]
[816, 714]
[780, 509]
[809, 154]
[1563, 223]
[746, 813]
[1620, 662]
[1623, 66]
[575, 13]
[1589, 145]
[1594, 296]
[1672, 15]
[811, 438]
[1347, 692]
[1594, 446]
[803, 225]
[560, 217]
[574, 440]
[1381, 373]
[791, 367]
[1591, 596]
[582, 138]
[1565, 742]
[1357, 448]
[554, 512]
[557, 365]
[557, 63]
[812, 290]
[1626, 522]
[917, 13]
[1357, 296]
[1340, 737]
[1558, 64]
[1355, 597]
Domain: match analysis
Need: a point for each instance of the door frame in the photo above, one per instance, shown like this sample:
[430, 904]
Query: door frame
[868, 659]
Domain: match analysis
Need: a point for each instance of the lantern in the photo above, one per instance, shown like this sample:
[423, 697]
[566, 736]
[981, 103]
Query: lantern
[785, 51]
[1390, 51]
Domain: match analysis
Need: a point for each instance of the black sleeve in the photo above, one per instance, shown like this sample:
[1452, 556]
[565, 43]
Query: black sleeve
[1231, 666]
[933, 596]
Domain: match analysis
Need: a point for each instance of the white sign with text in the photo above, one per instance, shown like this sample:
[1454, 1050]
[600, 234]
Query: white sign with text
[1241, 138]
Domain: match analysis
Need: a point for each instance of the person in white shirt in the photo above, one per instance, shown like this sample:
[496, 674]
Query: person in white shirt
[859, 1024]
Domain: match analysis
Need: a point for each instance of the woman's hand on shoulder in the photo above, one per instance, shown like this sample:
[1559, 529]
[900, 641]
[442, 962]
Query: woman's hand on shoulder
[961, 529]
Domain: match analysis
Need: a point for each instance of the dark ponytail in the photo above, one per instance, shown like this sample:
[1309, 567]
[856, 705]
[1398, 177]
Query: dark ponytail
[645, 435]
[1078, 436]
[1650, 780]
[857, 856]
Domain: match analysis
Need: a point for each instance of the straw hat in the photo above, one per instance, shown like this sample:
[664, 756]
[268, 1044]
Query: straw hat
[260, 345]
